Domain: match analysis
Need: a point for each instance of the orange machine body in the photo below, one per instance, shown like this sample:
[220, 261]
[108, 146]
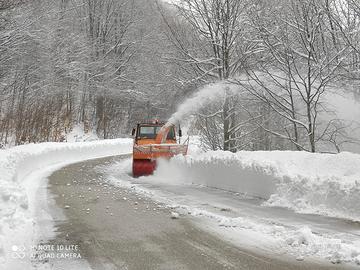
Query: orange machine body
[151, 142]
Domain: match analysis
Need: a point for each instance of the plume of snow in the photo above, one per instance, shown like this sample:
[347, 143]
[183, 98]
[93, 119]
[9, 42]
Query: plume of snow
[204, 96]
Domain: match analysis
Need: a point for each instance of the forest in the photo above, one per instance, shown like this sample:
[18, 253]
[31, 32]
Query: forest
[108, 64]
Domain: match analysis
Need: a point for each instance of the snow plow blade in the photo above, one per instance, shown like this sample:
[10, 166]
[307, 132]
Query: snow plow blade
[143, 167]
[144, 156]
[152, 141]
[153, 151]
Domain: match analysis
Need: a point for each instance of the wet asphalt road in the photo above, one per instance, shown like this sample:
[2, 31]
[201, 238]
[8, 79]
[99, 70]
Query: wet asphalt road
[115, 228]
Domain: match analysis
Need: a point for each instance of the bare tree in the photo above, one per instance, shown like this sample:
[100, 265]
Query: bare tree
[217, 30]
[301, 60]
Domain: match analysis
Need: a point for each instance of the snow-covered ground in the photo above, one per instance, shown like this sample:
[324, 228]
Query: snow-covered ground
[265, 200]
[77, 134]
[250, 198]
[18, 195]
[327, 184]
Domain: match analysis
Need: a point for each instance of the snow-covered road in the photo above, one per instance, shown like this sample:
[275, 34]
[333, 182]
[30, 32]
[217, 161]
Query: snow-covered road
[120, 227]
[300, 206]
[247, 220]
[23, 204]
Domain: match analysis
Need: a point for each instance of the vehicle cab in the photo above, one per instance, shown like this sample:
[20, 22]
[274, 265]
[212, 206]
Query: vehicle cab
[145, 133]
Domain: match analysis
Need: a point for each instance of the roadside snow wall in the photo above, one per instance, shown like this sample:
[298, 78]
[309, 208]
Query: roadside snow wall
[327, 184]
[18, 162]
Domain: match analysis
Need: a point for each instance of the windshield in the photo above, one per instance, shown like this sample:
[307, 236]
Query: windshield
[150, 132]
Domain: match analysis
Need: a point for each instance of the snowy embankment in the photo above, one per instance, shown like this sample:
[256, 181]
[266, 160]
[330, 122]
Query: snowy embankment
[327, 184]
[16, 214]
[312, 183]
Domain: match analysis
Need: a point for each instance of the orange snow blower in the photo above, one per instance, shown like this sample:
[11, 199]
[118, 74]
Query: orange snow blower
[154, 140]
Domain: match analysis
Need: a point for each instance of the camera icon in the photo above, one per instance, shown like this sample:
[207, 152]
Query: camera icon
[18, 252]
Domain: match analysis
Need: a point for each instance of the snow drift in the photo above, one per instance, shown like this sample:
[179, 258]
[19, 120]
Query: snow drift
[18, 162]
[240, 219]
[327, 184]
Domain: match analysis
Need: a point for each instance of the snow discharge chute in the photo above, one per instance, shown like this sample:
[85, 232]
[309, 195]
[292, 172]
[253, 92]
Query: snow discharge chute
[152, 141]
[158, 140]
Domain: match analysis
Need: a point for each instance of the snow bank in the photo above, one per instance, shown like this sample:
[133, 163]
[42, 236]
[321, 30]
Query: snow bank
[327, 184]
[300, 242]
[18, 162]
[302, 239]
